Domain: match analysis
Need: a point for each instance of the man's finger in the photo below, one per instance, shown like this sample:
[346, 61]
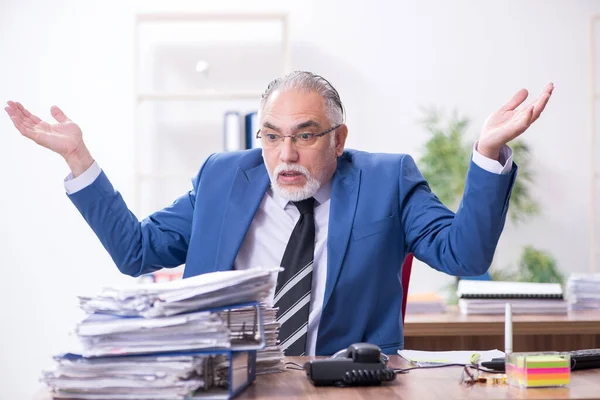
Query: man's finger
[10, 111]
[15, 114]
[18, 112]
[540, 105]
[27, 123]
[517, 99]
[33, 134]
[526, 119]
[59, 115]
[22, 128]
[21, 113]
[520, 122]
[34, 118]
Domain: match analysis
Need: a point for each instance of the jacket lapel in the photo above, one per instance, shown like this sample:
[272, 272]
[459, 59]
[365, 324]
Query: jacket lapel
[247, 192]
[344, 197]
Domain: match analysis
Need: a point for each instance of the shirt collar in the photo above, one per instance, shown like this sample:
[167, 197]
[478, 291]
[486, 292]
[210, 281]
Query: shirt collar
[322, 195]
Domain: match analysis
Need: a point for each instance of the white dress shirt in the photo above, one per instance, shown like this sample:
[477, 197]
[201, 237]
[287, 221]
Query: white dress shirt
[269, 231]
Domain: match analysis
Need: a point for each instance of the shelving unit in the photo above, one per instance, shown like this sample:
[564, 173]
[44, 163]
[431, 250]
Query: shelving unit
[178, 107]
[594, 205]
[198, 96]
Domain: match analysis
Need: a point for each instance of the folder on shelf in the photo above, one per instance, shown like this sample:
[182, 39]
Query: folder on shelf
[233, 135]
[251, 127]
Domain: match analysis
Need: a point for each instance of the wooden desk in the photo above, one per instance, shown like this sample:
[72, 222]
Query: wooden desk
[454, 331]
[442, 383]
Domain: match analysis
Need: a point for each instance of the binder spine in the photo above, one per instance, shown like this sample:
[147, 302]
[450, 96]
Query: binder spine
[512, 296]
[233, 138]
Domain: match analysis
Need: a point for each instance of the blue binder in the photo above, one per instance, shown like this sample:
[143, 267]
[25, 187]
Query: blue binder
[251, 127]
[241, 371]
[241, 356]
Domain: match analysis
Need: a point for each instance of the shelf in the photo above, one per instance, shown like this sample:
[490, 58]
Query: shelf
[162, 40]
[208, 95]
[168, 17]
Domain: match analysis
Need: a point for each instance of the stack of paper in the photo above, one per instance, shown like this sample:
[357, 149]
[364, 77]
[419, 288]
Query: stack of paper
[104, 334]
[164, 340]
[466, 357]
[583, 291]
[425, 303]
[144, 377]
[175, 297]
[269, 359]
[490, 297]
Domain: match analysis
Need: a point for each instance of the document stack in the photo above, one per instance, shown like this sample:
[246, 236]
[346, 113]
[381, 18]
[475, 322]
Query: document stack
[270, 359]
[192, 338]
[425, 303]
[490, 297]
[583, 292]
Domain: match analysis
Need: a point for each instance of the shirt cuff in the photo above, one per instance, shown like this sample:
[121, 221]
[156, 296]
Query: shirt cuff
[502, 167]
[74, 185]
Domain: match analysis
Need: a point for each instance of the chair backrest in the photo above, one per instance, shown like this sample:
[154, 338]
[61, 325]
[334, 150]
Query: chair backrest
[406, 268]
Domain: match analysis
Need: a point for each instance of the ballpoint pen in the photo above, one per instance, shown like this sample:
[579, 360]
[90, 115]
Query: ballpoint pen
[508, 329]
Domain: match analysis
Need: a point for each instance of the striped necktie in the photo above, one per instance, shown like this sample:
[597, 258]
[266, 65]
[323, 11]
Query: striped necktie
[292, 294]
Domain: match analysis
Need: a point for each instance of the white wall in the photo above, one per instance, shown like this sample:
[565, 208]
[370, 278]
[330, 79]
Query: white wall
[386, 58]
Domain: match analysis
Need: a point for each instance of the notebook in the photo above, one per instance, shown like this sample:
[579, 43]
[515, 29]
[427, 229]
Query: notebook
[470, 289]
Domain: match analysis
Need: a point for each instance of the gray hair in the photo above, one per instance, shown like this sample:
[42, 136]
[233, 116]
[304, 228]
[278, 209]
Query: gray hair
[309, 82]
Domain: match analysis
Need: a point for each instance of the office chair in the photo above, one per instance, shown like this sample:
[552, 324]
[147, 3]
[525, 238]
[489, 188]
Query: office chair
[406, 268]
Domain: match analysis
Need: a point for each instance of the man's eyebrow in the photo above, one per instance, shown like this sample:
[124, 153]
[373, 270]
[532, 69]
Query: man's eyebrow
[307, 124]
[269, 125]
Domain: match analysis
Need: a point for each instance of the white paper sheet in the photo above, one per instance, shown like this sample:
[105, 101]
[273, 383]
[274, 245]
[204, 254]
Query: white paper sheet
[448, 357]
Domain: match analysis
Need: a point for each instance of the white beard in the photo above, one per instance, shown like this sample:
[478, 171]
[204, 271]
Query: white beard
[291, 193]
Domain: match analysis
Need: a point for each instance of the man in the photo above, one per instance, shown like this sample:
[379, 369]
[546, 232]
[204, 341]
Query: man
[339, 222]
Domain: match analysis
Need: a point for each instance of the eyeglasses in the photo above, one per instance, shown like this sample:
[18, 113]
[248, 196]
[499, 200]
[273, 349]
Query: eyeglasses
[470, 375]
[303, 139]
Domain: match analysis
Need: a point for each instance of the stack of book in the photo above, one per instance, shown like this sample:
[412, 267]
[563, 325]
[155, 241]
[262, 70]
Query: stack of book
[583, 292]
[490, 297]
[196, 337]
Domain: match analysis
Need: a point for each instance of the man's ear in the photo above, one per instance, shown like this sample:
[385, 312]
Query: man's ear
[341, 134]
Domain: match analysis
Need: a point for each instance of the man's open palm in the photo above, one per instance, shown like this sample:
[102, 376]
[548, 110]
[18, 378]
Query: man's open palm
[508, 122]
[63, 138]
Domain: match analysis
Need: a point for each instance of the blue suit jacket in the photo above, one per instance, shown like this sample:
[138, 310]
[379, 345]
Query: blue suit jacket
[381, 209]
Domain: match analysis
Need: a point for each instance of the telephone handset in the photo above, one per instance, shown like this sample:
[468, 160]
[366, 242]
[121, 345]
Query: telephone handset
[359, 365]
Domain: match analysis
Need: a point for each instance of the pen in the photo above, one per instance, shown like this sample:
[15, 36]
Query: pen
[508, 329]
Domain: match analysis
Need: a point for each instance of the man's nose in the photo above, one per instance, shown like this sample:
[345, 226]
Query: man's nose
[288, 152]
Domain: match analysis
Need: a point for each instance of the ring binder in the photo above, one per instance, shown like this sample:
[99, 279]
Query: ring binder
[468, 289]
[490, 297]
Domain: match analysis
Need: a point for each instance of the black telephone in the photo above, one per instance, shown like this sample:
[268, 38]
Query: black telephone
[359, 365]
